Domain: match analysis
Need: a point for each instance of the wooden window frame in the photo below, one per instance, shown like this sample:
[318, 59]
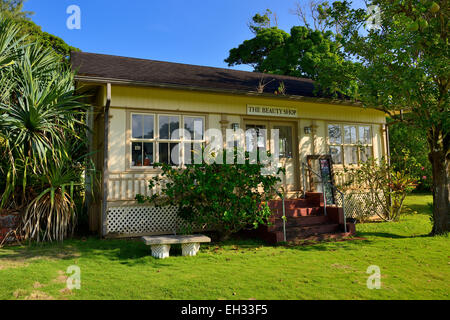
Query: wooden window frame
[342, 145]
[156, 138]
[132, 140]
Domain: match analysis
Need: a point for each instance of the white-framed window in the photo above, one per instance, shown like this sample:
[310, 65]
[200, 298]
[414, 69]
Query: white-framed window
[193, 143]
[169, 139]
[142, 140]
[155, 138]
[350, 144]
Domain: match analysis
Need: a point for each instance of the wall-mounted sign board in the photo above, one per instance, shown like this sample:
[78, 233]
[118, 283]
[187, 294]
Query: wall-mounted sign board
[271, 111]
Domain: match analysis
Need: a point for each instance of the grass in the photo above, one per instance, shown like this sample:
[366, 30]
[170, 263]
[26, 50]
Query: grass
[413, 266]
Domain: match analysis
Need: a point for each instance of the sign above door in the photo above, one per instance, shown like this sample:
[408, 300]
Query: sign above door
[271, 111]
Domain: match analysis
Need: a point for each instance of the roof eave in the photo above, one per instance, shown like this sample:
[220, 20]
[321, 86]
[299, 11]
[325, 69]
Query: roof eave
[124, 82]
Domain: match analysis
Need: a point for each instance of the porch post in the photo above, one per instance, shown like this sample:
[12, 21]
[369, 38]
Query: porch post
[105, 160]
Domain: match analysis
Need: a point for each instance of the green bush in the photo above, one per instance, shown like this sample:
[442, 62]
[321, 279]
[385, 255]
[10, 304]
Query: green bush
[413, 141]
[224, 198]
[386, 187]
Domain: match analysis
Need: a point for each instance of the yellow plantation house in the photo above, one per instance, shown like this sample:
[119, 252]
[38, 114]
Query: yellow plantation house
[144, 101]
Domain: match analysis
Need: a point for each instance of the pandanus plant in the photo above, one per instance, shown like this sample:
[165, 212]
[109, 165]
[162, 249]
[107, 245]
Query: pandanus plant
[51, 215]
[41, 118]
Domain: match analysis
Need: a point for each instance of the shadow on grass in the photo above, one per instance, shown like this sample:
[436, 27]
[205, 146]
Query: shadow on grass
[390, 235]
[307, 245]
[128, 252]
[134, 252]
[38, 252]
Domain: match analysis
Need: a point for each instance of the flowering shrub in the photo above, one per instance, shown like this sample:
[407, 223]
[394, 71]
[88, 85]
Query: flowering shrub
[220, 197]
[387, 187]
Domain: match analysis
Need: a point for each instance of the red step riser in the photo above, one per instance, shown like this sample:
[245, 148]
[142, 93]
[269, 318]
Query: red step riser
[305, 220]
[290, 204]
[301, 212]
[277, 225]
[311, 200]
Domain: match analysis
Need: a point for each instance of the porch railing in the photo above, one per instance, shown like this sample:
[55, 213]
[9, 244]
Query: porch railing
[328, 184]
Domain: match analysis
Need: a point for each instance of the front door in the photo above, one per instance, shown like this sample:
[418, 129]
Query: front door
[287, 144]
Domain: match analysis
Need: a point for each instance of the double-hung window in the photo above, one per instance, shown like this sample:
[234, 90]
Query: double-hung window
[350, 144]
[159, 138]
[169, 140]
[143, 140]
[194, 139]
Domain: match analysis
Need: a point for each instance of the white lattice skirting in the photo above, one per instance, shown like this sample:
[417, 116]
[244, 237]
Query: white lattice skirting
[140, 220]
[356, 205]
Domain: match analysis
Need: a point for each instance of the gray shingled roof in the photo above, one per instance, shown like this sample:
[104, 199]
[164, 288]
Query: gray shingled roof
[159, 73]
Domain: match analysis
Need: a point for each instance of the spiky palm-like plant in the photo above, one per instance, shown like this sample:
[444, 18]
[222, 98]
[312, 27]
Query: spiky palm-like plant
[51, 215]
[40, 117]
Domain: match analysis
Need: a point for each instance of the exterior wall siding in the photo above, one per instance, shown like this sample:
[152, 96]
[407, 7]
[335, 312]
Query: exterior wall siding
[221, 110]
[185, 101]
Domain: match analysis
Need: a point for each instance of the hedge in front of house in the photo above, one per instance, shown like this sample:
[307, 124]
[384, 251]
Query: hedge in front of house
[221, 197]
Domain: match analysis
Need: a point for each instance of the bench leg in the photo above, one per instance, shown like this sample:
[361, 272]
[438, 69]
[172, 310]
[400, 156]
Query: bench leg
[161, 251]
[190, 249]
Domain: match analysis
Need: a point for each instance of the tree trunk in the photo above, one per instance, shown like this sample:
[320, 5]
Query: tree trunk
[439, 157]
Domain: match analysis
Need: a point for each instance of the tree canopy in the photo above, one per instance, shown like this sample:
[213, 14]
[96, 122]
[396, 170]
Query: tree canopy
[13, 9]
[303, 52]
[405, 71]
[400, 67]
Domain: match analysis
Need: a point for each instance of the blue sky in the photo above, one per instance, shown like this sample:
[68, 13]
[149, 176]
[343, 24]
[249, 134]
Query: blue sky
[196, 31]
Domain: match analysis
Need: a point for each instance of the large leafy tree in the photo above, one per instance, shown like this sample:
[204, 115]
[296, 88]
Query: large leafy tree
[407, 139]
[303, 52]
[405, 71]
[14, 9]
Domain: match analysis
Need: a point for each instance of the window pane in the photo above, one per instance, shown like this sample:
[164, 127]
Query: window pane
[335, 134]
[174, 125]
[136, 154]
[167, 126]
[336, 154]
[163, 127]
[148, 155]
[193, 153]
[366, 153]
[285, 138]
[164, 153]
[175, 154]
[365, 135]
[195, 127]
[350, 134]
[351, 155]
[149, 127]
[137, 126]
[256, 137]
[166, 157]
[188, 153]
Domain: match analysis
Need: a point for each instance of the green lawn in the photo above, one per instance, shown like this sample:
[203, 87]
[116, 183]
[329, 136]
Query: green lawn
[413, 266]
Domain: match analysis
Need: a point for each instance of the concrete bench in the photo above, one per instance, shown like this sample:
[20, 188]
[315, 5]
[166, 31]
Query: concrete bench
[161, 244]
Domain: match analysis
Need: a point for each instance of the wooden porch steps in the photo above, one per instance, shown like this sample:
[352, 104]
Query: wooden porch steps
[305, 219]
